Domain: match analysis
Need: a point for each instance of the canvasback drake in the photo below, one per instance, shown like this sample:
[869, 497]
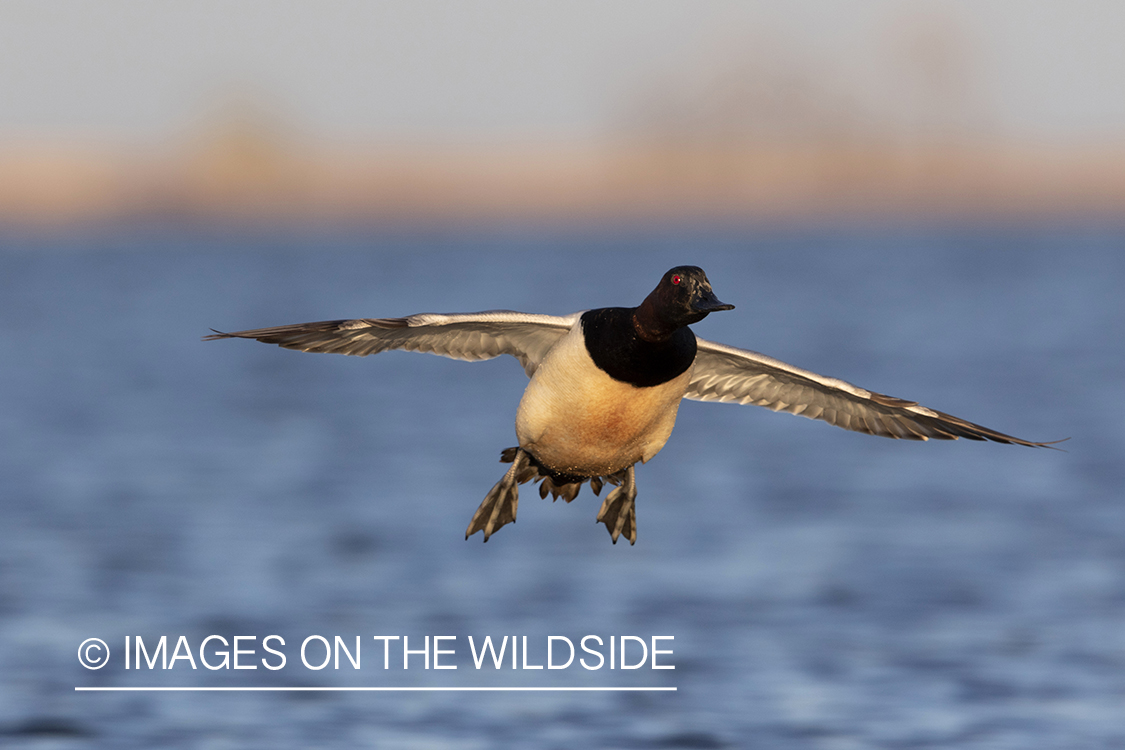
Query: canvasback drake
[606, 385]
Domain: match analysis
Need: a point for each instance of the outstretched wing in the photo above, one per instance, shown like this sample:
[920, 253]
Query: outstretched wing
[724, 373]
[468, 336]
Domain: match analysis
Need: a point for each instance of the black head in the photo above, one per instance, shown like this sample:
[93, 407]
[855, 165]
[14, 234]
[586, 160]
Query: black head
[681, 298]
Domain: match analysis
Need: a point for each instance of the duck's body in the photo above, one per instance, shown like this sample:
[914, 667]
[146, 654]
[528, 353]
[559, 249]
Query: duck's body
[578, 420]
[606, 386]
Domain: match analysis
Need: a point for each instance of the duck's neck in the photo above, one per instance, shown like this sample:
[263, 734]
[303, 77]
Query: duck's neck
[648, 324]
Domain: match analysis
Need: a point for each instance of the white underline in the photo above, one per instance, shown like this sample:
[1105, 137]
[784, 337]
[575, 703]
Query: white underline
[372, 689]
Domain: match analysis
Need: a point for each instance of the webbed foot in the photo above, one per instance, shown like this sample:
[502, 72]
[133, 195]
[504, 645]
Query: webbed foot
[618, 511]
[502, 501]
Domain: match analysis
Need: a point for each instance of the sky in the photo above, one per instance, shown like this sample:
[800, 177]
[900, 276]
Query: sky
[143, 72]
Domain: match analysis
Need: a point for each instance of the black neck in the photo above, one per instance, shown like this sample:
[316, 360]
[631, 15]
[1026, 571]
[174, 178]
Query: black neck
[649, 324]
[635, 348]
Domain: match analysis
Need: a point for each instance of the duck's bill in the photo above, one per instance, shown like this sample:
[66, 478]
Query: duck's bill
[709, 303]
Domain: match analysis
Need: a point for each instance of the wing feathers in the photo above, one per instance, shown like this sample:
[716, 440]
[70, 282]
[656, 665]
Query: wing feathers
[724, 373]
[469, 336]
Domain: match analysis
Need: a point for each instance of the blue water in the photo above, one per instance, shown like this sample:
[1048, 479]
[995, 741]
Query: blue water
[824, 589]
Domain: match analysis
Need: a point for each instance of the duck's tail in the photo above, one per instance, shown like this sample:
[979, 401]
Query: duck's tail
[558, 484]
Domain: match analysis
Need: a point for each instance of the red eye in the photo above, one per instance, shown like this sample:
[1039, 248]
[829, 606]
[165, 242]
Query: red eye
[676, 279]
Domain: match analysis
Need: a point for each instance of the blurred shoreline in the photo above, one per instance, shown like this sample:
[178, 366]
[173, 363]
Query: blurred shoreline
[250, 177]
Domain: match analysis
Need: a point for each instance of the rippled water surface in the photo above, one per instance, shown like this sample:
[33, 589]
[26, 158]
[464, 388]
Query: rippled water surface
[824, 589]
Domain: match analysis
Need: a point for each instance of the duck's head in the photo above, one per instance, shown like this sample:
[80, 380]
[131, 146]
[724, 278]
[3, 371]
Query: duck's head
[682, 297]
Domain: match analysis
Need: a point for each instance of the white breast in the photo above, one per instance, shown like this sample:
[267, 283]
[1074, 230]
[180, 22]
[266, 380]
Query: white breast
[576, 419]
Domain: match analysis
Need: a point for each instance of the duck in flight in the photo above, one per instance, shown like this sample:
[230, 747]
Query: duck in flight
[606, 385]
